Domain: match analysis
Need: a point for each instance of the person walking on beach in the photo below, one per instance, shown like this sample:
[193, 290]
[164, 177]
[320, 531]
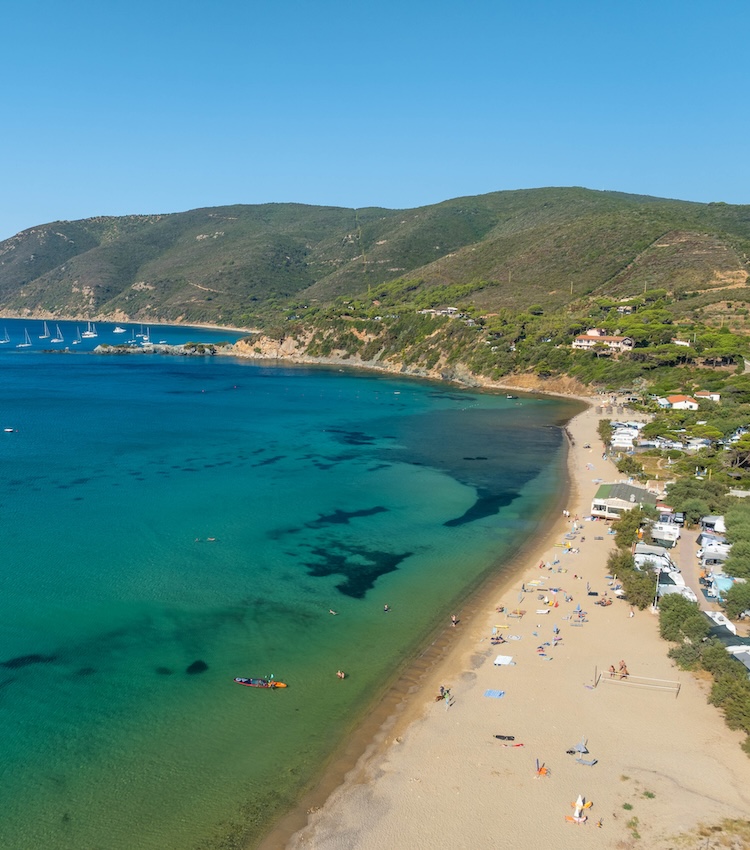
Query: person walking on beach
[454, 620]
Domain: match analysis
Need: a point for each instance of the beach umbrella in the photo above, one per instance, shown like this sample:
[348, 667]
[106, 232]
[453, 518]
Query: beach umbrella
[578, 807]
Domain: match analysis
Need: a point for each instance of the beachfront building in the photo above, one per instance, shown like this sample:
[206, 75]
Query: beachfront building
[611, 500]
[599, 337]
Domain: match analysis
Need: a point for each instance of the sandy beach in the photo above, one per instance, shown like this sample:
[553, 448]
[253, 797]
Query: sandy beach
[438, 775]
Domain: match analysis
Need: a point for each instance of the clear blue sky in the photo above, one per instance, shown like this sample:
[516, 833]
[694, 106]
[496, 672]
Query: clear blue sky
[110, 108]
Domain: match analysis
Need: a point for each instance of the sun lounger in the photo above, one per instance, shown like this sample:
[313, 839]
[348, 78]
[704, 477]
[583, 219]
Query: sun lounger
[494, 694]
[588, 762]
[542, 610]
[581, 747]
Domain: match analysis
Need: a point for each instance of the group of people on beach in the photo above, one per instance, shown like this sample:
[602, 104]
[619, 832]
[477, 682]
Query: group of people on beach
[622, 673]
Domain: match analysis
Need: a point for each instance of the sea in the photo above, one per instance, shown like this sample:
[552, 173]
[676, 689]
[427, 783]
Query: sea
[170, 523]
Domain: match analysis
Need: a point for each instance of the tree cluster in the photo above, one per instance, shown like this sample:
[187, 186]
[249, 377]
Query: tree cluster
[681, 622]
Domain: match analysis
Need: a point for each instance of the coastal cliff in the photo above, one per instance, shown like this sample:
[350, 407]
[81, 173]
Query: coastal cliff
[297, 350]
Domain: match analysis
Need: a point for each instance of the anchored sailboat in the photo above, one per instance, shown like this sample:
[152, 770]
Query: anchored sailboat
[58, 337]
[45, 335]
[26, 340]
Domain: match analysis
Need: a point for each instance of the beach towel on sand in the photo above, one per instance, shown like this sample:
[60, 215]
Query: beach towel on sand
[494, 694]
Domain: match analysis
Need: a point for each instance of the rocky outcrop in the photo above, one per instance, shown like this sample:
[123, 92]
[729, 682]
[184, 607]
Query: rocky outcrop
[294, 350]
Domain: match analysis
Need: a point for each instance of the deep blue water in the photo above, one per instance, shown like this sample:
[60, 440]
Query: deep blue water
[171, 523]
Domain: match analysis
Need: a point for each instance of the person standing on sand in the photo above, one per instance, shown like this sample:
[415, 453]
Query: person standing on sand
[454, 620]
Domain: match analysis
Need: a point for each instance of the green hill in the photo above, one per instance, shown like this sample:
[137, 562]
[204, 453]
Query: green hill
[240, 263]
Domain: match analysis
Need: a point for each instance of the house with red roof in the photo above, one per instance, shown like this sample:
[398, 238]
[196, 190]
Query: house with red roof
[682, 402]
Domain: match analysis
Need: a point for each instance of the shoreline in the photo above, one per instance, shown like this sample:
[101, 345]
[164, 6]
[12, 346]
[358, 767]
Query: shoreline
[401, 703]
[405, 789]
[562, 386]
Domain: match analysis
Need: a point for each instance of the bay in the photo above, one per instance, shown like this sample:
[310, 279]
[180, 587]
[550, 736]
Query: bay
[171, 523]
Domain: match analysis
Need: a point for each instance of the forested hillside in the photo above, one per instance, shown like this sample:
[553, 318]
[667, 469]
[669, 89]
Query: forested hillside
[242, 264]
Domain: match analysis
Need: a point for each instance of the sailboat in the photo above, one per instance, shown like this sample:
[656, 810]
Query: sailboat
[146, 337]
[45, 335]
[90, 332]
[26, 340]
[6, 338]
[77, 340]
[133, 340]
[58, 337]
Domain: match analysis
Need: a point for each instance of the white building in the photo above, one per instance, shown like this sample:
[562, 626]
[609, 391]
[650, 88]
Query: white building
[611, 500]
[682, 402]
[598, 336]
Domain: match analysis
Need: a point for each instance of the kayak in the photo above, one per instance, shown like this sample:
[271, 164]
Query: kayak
[259, 683]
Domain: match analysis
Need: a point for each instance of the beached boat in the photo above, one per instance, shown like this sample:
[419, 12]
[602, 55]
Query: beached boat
[58, 337]
[45, 335]
[259, 683]
[26, 340]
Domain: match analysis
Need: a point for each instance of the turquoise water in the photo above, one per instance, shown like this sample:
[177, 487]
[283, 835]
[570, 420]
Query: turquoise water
[322, 490]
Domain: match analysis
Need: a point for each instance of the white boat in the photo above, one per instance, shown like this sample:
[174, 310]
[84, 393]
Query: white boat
[119, 330]
[6, 338]
[26, 340]
[140, 332]
[58, 337]
[90, 332]
[77, 340]
[45, 335]
[146, 337]
[133, 340]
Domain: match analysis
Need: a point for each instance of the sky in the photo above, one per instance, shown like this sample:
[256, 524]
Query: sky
[114, 108]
